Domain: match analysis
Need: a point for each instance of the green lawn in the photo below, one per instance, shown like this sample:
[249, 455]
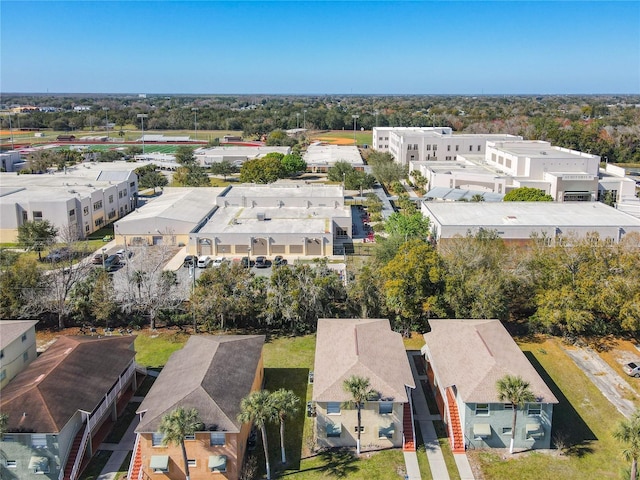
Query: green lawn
[155, 350]
[583, 420]
[341, 136]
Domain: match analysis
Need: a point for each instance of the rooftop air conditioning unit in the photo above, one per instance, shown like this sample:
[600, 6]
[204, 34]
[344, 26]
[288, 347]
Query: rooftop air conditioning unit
[261, 217]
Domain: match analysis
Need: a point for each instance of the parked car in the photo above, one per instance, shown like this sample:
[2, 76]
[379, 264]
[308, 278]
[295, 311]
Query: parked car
[112, 263]
[190, 260]
[279, 260]
[58, 255]
[124, 254]
[261, 262]
[245, 262]
[218, 261]
[99, 258]
[204, 262]
[632, 369]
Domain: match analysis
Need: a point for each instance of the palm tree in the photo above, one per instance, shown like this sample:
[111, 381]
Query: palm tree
[257, 408]
[176, 426]
[285, 403]
[516, 391]
[360, 390]
[628, 432]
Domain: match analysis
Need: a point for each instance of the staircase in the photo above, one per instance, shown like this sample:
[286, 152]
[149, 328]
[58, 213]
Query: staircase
[409, 444]
[455, 429]
[75, 448]
[137, 463]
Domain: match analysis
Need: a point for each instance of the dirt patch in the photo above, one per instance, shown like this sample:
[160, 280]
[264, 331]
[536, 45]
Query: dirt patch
[336, 141]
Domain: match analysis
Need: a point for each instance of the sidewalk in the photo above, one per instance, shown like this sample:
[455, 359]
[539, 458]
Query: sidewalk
[120, 450]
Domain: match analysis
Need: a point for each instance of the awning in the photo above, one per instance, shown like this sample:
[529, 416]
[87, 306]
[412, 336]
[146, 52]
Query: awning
[386, 430]
[334, 429]
[534, 430]
[482, 430]
[159, 462]
[39, 464]
[218, 463]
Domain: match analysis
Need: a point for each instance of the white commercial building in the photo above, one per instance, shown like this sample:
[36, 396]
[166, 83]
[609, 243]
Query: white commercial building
[285, 218]
[320, 157]
[518, 221]
[77, 201]
[11, 161]
[236, 154]
[408, 144]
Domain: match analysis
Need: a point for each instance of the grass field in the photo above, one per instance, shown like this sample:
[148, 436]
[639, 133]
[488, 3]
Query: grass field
[343, 137]
[582, 421]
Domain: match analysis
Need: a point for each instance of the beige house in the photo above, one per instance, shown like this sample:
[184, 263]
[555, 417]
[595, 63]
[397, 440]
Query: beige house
[17, 347]
[211, 374]
[365, 348]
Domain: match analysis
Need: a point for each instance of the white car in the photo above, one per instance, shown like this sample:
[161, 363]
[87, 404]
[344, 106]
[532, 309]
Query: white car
[218, 261]
[204, 262]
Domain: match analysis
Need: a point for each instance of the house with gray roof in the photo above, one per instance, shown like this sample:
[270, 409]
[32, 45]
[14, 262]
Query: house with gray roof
[211, 374]
[366, 348]
[17, 347]
[56, 405]
[465, 359]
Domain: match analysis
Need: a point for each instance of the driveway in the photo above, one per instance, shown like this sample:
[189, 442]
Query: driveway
[613, 386]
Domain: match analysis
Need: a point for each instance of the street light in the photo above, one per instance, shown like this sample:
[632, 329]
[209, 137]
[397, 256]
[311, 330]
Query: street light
[103, 250]
[298, 120]
[375, 112]
[304, 120]
[11, 132]
[142, 116]
[106, 120]
[195, 122]
[249, 256]
[355, 118]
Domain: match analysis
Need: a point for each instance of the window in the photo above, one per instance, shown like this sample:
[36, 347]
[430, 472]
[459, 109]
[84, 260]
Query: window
[85, 210]
[435, 147]
[132, 184]
[97, 205]
[415, 146]
[482, 409]
[217, 463]
[448, 148]
[98, 222]
[72, 212]
[156, 439]
[124, 192]
[8, 438]
[1, 353]
[25, 217]
[428, 147]
[110, 198]
[506, 430]
[120, 195]
[333, 430]
[333, 408]
[159, 463]
[355, 429]
[385, 408]
[386, 431]
[457, 147]
[3, 375]
[86, 228]
[37, 216]
[25, 357]
[12, 464]
[24, 337]
[508, 406]
[191, 462]
[479, 146]
[471, 148]
[190, 437]
[216, 438]
[38, 440]
[534, 409]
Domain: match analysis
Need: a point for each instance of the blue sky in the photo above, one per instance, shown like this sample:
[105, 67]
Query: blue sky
[385, 47]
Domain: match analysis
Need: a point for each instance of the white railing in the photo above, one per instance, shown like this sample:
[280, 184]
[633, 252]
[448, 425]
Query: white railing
[133, 457]
[80, 455]
[111, 397]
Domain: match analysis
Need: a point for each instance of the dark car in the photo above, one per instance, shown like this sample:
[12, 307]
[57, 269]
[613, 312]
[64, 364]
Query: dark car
[279, 260]
[261, 262]
[112, 261]
[58, 255]
[98, 259]
[190, 260]
[245, 262]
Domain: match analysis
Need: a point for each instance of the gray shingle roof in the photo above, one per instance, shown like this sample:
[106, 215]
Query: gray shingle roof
[12, 329]
[474, 354]
[363, 347]
[75, 373]
[211, 374]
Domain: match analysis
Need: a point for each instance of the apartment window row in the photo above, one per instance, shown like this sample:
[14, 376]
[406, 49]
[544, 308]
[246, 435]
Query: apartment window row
[99, 222]
[334, 430]
[97, 205]
[482, 409]
[384, 408]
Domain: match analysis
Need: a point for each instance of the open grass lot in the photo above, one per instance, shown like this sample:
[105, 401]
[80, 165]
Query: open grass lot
[583, 421]
[153, 350]
[344, 137]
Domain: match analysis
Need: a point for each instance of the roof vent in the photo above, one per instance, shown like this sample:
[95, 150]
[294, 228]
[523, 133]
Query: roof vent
[261, 217]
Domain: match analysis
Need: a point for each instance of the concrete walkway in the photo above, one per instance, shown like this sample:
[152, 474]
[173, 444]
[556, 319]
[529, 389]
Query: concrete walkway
[120, 451]
[429, 437]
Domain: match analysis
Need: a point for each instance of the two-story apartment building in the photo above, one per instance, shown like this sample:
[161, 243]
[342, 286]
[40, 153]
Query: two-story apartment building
[17, 347]
[365, 348]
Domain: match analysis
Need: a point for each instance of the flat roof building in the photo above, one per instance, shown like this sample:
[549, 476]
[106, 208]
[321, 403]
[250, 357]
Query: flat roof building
[518, 221]
[235, 154]
[320, 157]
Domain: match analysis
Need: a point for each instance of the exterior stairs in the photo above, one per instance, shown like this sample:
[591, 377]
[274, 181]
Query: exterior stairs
[73, 453]
[137, 464]
[455, 428]
[407, 428]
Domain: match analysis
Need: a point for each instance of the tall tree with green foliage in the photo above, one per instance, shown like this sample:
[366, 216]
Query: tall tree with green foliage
[153, 180]
[185, 156]
[267, 169]
[176, 425]
[516, 391]
[527, 194]
[257, 408]
[191, 175]
[224, 168]
[360, 390]
[37, 235]
[285, 403]
[410, 226]
[628, 433]
[292, 164]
